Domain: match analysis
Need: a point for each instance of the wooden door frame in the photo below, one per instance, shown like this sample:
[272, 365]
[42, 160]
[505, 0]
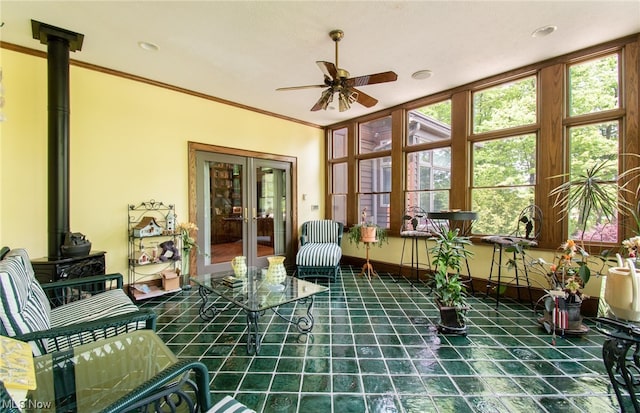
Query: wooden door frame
[194, 147]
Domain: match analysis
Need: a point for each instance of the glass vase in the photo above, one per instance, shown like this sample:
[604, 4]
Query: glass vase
[184, 268]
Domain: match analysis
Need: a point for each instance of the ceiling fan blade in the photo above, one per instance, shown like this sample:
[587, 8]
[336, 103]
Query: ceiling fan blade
[328, 68]
[301, 87]
[372, 79]
[325, 99]
[364, 99]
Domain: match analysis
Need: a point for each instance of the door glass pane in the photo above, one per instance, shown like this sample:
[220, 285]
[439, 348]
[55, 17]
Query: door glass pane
[226, 181]
[271, 211]
[267, 204]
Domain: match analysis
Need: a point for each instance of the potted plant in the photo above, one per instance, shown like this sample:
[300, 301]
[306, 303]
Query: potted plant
[591, 194]
[566, 276]
[449, 290]
[368, 231]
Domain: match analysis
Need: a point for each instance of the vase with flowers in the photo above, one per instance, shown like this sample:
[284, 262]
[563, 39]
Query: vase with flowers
[632, 245]
[567, 276]
[187, 243]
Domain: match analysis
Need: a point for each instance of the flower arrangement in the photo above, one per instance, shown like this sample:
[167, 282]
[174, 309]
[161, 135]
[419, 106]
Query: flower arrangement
[566, 272]
[188, 242]
[632, 245]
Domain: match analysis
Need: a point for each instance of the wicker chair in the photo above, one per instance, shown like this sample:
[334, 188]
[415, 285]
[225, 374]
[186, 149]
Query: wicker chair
[60, 315]
[320, 252]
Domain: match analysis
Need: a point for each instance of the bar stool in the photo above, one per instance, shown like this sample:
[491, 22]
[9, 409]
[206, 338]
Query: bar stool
[526, 235]
[415, 227]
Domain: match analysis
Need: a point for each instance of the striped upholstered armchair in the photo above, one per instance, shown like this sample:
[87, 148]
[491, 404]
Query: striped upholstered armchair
[320, 252]
[60, 315]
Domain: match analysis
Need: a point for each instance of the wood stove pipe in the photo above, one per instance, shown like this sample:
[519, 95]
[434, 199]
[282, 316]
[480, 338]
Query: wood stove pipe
[59, 43]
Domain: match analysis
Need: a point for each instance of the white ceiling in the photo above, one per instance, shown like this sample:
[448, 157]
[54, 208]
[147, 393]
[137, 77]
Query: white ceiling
[241, 51]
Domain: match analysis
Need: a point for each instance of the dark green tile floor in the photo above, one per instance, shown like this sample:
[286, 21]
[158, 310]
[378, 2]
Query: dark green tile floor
[374, 348]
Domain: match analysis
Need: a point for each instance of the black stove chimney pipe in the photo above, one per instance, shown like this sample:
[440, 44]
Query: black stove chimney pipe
[59, 42]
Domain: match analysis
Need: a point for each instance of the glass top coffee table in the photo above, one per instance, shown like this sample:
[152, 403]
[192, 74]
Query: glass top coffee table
[255, 295]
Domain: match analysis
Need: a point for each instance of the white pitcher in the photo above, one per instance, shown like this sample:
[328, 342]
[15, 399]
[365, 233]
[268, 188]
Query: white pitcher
[276, 273]
[621, 292]
[239, 265]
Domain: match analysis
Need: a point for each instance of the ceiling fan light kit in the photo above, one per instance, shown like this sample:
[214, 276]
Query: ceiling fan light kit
[338, 81]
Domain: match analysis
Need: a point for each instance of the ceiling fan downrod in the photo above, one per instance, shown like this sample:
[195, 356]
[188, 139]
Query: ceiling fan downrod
[336, 36]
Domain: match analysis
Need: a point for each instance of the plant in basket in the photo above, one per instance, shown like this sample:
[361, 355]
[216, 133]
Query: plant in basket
[368, 231]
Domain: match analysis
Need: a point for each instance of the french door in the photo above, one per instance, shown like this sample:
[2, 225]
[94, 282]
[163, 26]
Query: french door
[243, 208]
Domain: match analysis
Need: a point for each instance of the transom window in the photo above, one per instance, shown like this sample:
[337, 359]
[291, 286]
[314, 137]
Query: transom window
[505, 106]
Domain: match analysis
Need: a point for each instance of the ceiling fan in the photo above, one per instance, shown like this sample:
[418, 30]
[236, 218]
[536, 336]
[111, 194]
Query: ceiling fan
[337, 80]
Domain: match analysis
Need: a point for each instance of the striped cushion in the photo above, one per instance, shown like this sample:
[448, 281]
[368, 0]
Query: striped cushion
[322, 231]
[107, 304]
[229, 405]
[25, 307]
[319, 255]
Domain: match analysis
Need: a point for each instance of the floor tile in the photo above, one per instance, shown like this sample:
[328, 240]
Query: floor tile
[375, 348]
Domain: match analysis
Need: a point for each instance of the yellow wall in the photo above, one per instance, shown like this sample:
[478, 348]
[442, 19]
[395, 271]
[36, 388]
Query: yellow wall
[128, 145]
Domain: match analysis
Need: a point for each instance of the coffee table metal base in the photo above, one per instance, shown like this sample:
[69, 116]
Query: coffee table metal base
[208, 311]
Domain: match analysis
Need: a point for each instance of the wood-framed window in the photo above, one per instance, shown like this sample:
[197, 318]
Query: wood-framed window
[538, 116]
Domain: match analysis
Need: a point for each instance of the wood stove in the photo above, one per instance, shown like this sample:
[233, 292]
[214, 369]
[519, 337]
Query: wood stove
[56, 265]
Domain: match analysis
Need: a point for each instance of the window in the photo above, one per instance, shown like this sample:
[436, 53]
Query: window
[430, 123]
[339, 175]
[375, 189]
[594, 86]
[374, 172]
[339, 143]
[339, 192]
[505, 106]
[504, 177]
[588, 146]
[492, 147]
[428, 167]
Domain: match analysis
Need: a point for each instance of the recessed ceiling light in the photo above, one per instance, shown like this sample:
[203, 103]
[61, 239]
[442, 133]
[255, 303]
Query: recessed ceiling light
[544, 31]
[151, 47]
[422, 74]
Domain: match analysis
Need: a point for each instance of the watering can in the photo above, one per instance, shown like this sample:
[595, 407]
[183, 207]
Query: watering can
[621, 291]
